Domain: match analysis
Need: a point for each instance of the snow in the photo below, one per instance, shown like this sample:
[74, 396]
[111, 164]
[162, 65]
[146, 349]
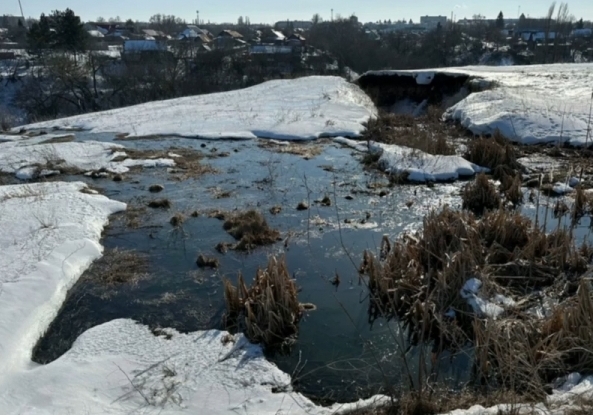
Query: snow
[562, 188]
[470, 292]
[574, 182]
[26, 157]
[299, 109]
[420, 167]
[561, 402]
[50, 235]
[134, 370]
[527, 104]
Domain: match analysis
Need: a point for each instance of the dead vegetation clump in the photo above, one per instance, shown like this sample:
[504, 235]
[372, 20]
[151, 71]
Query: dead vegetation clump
[480, 195]
[307, 150]
[268, 312]
[251, 229]
[160, 204]
[177, 220]
[207, 262]
[425, 133]
[419, 280]
[156, 188]
[496, 153]
[118, 266]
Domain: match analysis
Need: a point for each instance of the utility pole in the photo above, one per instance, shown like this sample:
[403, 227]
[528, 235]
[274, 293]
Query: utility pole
[332, 15]
[23, 15]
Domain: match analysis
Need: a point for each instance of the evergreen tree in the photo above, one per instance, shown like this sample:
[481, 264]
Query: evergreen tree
[580, 24]
[522, 20]
[40, 36]
[500, 21]
[69, 31]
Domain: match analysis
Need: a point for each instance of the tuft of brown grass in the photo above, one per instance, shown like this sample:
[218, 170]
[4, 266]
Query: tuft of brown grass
[425, 134]
[156, 188]
[177, 220]
[418, 279]
[251, 229]
[269, 311]
[207, 262]
[511, 189]
[160, 204]
[496, 153]
[480, 195]
[117, 267]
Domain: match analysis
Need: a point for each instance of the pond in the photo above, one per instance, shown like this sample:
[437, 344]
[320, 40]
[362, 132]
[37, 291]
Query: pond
[338, 356]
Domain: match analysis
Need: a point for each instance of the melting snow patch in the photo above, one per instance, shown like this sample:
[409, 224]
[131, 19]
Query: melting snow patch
[26, 159]
[480, 306]
[418, 165]
[562, 188]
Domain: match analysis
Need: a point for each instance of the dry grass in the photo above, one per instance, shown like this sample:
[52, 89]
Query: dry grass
[156, 188]
[421, 275]
[426, 133]
[160, 204]
[495, 153]
[177, 220]
[188, 165]
[480, 195]
[251, 229]
[306, 150]
[207, 262]
[118, 267]
[61, 139]
[268, 311]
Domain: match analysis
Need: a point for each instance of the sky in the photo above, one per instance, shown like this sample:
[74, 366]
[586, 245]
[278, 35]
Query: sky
[270, 11]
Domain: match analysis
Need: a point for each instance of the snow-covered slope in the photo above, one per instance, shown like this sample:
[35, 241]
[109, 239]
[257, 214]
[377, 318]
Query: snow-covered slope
[528, 104]
[298, 109]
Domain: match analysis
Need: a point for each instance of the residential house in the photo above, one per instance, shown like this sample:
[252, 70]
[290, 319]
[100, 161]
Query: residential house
[296, 40]
[535, 35]
[154, 34]
[580, 33]
[229, 39]
[8, 21]
[294, 24]
[432, 22]
[274, 37]
[138, 46]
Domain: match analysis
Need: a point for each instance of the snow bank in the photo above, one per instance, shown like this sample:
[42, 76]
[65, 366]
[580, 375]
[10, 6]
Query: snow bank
[420, 166]
[27, 158]
[562, 401]
[50, 235]
[527, 104]
[121, 367]
[299, 109]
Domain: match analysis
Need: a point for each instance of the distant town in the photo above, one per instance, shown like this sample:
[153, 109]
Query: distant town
[123, 62]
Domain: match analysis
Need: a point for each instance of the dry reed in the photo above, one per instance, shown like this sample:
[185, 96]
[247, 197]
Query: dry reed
[268, 311]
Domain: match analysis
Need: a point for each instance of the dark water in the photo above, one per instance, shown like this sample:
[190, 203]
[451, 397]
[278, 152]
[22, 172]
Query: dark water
[338, 355]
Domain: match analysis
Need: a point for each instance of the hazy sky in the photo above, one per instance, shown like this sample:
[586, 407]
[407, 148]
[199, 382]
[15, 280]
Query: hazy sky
[269, 11]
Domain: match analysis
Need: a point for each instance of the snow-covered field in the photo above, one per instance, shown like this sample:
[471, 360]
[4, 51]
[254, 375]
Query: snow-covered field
[527, 104]
[300, 109]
